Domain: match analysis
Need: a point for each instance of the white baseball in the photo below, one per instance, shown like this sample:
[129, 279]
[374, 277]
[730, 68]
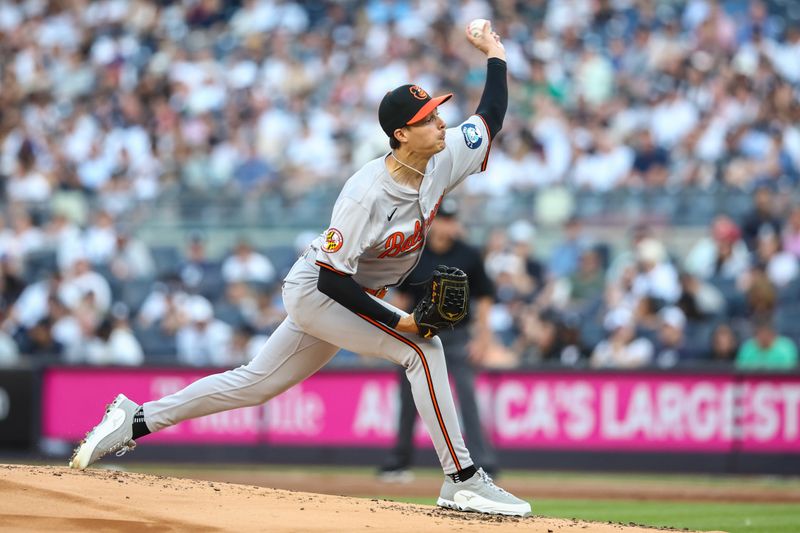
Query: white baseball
[476, 27]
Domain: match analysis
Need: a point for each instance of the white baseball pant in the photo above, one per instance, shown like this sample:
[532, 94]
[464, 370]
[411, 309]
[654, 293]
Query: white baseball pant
[315, 329]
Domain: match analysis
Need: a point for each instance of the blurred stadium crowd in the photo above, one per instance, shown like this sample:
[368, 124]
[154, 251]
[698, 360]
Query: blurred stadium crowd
[110, 108]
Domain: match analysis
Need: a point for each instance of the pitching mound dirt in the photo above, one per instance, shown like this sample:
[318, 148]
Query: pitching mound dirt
[34, 498]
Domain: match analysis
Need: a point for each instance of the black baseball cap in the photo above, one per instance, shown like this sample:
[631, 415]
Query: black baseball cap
[406, 105]
[448, 208]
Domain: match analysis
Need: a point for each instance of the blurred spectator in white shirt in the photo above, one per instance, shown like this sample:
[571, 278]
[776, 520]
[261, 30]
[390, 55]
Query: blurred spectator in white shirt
[62, 233]
[247, 265]
[204, 341]
[113, 343]
[25, 236]
[699, 300]
[657, 277]
[604, 164]
[81, 281]
[245, 344]
[96, 169]
[594, 78]
[131, 259]
[100, 239]
[165, 307]
[67, 329]
[28, 183]
[721, 254]
[673, 119]
[622, 349]
[781, 267]
[32, 305]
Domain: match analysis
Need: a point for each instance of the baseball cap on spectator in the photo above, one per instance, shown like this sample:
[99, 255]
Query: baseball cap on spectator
[200, 310]
[618, 318]
[448, 208]
[650, 251]
[673, 317]
[521, 231]
[406, 105]
[725, 230]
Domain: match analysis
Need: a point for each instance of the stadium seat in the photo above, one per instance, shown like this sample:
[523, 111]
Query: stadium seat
[158, 347]
[212, 286]
[228, 314]
[790, 293]
[592, 333]
[39, 264]
[282, 258]
[166, 259]
[134, 292]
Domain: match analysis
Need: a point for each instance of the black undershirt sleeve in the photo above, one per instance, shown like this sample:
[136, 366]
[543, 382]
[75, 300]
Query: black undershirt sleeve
[344, 290]
[494, 101]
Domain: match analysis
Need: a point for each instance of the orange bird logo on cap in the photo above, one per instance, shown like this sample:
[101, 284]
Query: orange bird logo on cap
[418, 92]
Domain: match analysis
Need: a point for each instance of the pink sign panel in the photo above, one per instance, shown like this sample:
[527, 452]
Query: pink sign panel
[638, 412]
[769, 410]
[604, 412]
[74, 400]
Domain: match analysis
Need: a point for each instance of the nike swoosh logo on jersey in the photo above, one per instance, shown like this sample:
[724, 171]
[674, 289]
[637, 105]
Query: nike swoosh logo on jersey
[389, 218]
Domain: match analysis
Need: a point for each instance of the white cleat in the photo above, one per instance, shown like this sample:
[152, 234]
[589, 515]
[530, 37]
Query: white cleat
[113, 434]
[479, 494]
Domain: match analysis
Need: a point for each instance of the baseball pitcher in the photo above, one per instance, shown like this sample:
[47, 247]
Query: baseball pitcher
[333, 293]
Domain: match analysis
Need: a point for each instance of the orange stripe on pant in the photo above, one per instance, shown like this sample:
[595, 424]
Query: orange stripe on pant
[417, 349]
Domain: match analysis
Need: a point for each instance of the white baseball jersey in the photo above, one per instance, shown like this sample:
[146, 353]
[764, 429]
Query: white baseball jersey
[378, 226]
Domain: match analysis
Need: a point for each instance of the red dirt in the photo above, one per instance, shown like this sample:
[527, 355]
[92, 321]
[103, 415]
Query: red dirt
[34, 498]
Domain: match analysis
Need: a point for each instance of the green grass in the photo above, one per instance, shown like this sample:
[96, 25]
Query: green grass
[731, 517]
[702, 516]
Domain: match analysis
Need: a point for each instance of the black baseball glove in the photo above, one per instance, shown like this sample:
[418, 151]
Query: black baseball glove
[446, 302]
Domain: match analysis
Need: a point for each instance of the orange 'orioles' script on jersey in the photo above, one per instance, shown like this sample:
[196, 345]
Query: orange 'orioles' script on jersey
[398, 243]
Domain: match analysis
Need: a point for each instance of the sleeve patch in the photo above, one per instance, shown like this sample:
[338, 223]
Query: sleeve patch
[472, 135]
[333, 240]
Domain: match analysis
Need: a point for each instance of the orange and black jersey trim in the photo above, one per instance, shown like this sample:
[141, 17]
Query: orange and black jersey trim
[329, 267]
